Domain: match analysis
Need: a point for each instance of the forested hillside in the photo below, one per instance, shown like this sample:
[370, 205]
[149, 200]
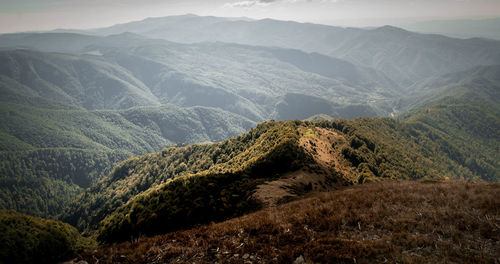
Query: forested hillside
[198, 182]
[48, 156]
[466, 114]
[53, 144]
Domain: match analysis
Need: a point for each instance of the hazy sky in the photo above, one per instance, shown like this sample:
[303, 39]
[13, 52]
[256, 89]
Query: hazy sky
[24, 15]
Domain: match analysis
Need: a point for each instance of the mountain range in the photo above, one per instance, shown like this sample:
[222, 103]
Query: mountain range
[169, 123]
[406, 57]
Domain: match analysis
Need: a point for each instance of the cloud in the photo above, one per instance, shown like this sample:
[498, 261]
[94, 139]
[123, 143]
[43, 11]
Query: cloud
[250, 3]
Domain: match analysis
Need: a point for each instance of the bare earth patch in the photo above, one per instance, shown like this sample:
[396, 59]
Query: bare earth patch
[319, 143]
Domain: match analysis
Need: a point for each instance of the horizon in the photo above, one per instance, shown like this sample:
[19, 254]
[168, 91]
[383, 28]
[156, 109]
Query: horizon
[47, 15]
[351, 23]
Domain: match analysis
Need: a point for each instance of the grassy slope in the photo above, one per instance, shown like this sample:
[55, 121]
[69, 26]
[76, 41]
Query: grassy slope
[395, 221]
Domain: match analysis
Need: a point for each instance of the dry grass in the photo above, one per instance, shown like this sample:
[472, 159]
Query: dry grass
[384, 222]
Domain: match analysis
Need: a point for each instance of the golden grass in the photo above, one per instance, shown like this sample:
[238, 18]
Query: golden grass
[384, 222]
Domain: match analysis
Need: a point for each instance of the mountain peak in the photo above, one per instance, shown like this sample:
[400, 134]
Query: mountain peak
[389, 28]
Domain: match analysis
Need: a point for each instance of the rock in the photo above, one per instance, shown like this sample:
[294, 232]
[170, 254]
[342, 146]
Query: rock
[246, 256]
[299, 260]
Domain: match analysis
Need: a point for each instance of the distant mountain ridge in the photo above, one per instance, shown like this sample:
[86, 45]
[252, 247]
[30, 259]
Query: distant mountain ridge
[85, 82]
[169, 71]
[404, 56]
[461, 28]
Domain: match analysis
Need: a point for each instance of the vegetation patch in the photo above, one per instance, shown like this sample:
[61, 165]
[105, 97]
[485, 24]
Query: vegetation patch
[27, 239]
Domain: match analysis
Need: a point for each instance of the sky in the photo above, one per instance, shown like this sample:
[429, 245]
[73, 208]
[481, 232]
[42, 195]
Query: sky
[36, 15]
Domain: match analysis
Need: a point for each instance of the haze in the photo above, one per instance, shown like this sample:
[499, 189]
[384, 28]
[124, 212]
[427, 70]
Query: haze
[33, 15]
